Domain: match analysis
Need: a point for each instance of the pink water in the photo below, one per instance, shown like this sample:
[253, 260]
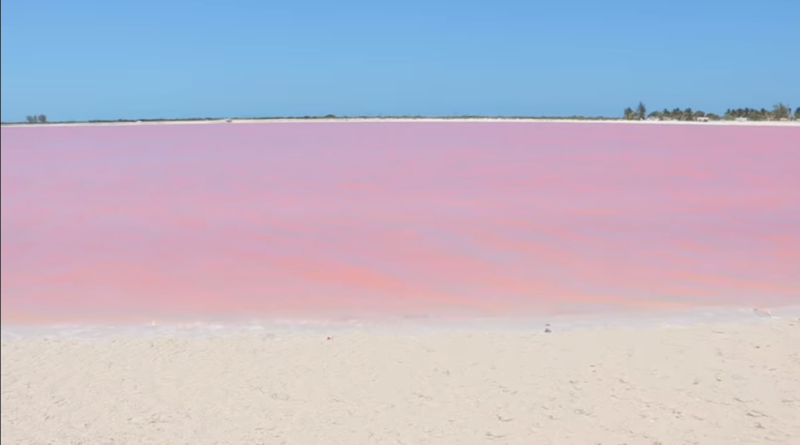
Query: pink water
[315, 219]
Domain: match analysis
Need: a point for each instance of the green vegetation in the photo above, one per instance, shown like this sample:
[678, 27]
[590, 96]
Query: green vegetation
[779, 111]
[628, 114]
[641, 111]
[34, 119]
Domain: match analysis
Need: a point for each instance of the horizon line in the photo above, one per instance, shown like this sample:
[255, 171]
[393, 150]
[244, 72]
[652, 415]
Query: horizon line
[366, 119]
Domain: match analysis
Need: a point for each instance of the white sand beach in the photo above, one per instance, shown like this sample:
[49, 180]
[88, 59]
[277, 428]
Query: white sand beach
[717, 383]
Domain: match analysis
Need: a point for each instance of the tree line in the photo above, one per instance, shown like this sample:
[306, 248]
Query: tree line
[36, 119]
[779, 111]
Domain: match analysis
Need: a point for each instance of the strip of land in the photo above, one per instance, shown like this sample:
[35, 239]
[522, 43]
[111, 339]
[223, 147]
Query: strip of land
[794, 123]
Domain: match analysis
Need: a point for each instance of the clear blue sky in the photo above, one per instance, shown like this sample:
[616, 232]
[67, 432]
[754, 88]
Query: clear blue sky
[102, 59]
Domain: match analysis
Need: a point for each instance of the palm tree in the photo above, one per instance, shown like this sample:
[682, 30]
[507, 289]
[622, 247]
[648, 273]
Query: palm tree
[629, 114]
[781, 111]
[641, 111]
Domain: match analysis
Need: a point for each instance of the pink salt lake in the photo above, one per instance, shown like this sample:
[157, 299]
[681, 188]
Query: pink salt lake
[314, 219]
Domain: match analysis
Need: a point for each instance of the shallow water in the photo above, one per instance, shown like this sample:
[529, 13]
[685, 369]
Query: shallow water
[333, 221]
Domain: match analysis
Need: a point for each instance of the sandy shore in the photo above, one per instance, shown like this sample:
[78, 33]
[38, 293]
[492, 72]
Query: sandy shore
[368, 120]
[719, 383]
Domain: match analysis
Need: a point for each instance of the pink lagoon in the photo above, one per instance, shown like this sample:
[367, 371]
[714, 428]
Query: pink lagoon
[367, 219]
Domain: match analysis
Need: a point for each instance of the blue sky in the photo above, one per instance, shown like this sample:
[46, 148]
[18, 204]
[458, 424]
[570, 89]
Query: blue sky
[93, 59]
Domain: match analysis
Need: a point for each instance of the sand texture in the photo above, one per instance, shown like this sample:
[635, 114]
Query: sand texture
[704, 384]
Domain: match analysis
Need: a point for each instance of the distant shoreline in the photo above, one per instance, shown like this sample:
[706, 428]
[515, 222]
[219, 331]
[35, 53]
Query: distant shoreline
[794, 123]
